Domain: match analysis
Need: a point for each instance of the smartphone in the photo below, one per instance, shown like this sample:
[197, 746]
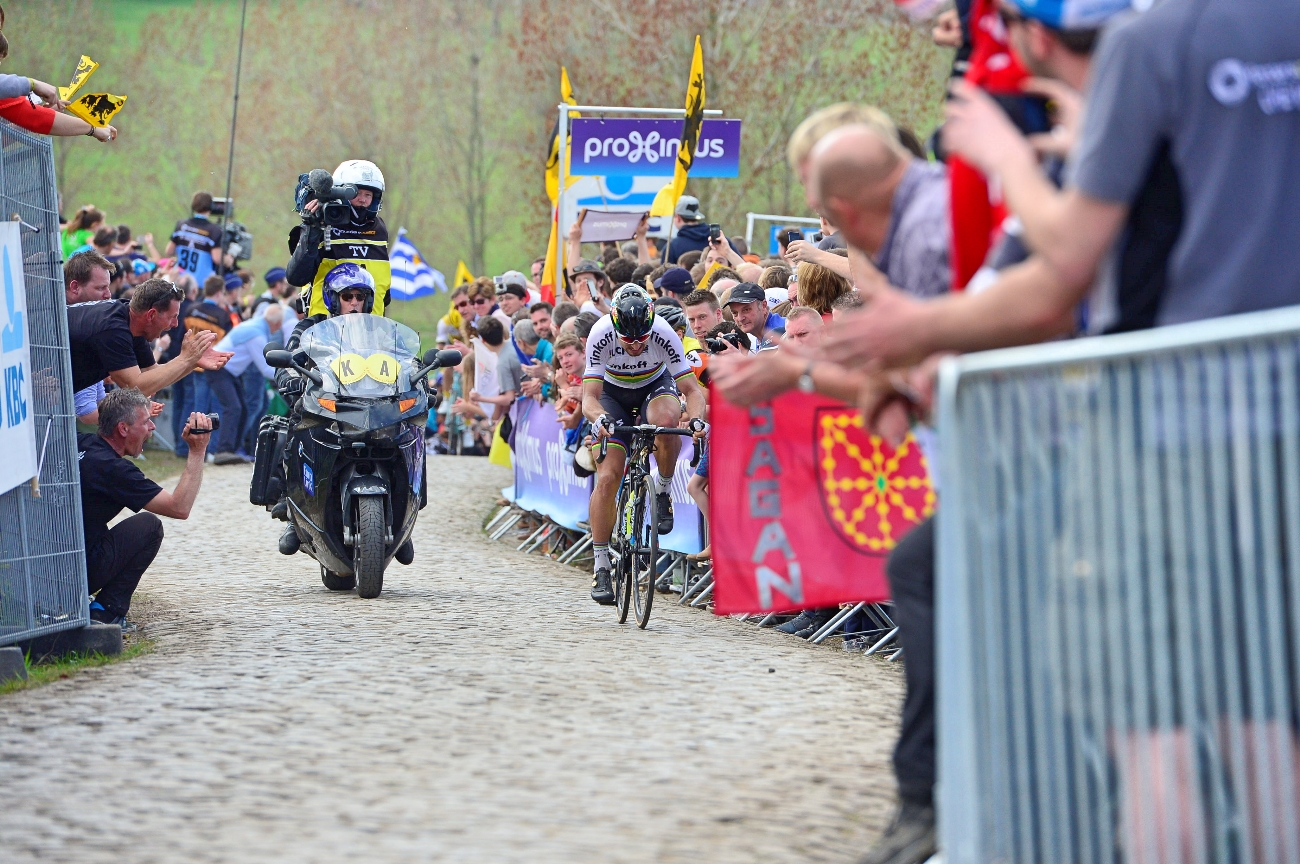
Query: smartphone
[1029, 113]
[791, 236]
[715, 232]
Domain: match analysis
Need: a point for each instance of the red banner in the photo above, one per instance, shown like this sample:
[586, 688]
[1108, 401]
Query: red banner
[805, 505]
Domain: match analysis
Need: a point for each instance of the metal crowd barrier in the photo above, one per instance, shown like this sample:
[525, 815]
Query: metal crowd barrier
[1118, 603]
[42, 560]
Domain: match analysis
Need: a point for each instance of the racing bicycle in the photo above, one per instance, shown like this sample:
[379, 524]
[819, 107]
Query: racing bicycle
[634, 545]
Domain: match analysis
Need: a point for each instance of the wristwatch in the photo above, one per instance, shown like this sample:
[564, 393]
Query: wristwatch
[805, 382]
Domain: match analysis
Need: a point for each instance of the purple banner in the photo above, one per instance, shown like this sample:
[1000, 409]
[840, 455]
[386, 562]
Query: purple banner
[648, 148]
[544, 478]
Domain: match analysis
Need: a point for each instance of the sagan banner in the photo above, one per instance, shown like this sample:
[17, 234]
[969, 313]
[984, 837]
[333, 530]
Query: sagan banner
[648, 148]
[806, 504]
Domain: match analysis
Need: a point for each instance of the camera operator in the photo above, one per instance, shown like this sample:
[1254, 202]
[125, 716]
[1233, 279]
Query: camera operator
[110, 339]
[117, 557]
[196, 241]
[359, 236]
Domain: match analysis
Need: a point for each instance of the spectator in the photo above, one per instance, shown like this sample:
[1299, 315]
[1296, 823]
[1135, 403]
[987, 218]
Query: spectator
[103, 241]
[511, 294]
[748, 304]
[845, 304]
[703, 313]
[620, 270]
[590, 287]
[717, 275]
[675, 281]
[509, 373]
[748, 272]
[449, 325]
[533, 347]
[888, 204]
[572, 360]
[689, 260]
[233, 284]
[776, 276]
[820, 287]
[802, 326]
[721, 288]
[540, 314]
[248, 371]
[692, 231]
[582, 326]
[81, 229]
[117, 557]
[196, 241]
[277, 289]
[641, 272]
[563, 312]
[111, 339]
[86, 278]
[538, 265]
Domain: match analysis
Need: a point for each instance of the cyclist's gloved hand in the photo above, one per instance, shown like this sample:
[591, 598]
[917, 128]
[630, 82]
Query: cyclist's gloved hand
[697, 426]
[605, 426]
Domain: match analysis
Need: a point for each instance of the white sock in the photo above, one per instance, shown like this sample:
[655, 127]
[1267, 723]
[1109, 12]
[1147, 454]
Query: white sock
[661, 482]
[602, 555]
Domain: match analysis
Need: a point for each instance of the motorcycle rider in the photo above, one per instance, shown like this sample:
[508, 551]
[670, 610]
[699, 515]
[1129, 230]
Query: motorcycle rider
[347, 289]
[318, 249]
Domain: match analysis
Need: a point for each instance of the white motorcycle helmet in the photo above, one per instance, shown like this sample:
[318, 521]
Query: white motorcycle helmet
[362, 173]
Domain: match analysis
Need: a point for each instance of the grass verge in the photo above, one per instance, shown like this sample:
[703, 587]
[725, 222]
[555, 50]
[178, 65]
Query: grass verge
[69, 665]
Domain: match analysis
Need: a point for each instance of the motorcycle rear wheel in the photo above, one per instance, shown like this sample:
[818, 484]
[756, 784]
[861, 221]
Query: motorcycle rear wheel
[337, 581]
[368, 548]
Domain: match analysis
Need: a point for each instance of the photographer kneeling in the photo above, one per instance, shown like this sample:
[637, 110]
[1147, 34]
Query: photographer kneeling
[117, 557]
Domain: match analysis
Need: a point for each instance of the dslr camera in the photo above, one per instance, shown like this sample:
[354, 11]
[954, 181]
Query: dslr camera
[717, 345]
[334, 209]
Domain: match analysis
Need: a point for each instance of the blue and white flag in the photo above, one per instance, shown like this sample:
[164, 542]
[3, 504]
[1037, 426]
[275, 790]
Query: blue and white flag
[412, 275]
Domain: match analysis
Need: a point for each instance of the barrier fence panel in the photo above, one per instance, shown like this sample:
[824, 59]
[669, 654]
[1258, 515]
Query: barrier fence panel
[42, 560]
[1118, 601]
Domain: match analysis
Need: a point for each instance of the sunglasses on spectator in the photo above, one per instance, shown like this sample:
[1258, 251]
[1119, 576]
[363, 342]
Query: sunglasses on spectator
[482, 301]
[464, 304]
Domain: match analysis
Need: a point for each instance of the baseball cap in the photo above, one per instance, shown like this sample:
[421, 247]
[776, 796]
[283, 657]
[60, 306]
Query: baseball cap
[141, 266]
[512, 282]
[776, 296]
[677, 280]
[1072, 14]
[275, 274]
[746, 292]
[233, 282]
[586, 265]
[688, 207]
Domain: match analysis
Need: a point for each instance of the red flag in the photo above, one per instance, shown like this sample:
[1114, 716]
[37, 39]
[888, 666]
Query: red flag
[805, 504]
[976, 217]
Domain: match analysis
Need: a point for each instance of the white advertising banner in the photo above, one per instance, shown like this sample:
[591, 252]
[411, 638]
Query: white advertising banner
[17, 425]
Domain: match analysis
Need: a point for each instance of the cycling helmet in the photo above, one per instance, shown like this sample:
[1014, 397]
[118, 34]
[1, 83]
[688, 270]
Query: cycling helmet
[631, 312]
[343, 278]
[364, 175]
[672, 315]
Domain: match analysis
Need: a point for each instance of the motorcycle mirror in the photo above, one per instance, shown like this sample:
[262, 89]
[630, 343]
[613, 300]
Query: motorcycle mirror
[430, 357]
[278, 358]
[448, 358]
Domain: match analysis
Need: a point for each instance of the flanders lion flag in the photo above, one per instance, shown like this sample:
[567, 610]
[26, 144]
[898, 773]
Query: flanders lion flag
[97, 109]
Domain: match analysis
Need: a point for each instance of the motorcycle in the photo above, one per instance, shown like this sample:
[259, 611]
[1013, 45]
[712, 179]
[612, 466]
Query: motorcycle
[352, 465]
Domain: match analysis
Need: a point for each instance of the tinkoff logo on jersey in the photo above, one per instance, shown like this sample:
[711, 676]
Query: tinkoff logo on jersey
[1276, 85]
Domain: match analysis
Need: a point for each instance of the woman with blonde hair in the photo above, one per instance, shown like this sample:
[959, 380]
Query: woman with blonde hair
[820, 287]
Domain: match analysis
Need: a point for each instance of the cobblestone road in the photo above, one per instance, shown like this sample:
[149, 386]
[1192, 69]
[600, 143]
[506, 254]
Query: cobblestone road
[483, 709]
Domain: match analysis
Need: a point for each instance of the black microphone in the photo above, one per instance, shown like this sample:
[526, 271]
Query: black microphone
[322, 184]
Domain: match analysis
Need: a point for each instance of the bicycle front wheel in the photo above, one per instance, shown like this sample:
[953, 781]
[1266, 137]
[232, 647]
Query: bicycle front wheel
[621, 548]
[645, 562]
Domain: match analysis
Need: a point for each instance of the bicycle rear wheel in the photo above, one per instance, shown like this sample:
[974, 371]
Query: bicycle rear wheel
[645, 561]
[621, 553]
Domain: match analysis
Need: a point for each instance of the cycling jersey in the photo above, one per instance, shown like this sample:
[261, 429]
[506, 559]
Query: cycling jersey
[609, 362]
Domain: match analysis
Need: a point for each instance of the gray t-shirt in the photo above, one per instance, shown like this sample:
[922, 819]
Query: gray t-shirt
[509, 373]
[1219, 81]
[914, 256]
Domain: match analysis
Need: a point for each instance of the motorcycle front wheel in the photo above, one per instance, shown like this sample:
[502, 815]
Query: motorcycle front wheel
[368, 548]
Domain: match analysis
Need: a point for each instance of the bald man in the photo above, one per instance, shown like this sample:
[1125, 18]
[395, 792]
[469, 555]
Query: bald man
[886, 203]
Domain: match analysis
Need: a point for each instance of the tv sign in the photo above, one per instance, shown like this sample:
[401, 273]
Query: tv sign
[648, 148]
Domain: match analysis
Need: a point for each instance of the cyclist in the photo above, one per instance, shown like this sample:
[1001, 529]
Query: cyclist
[635, 365]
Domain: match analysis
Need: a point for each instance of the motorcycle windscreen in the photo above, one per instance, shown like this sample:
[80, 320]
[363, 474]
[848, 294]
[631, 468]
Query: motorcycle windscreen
[363, 355]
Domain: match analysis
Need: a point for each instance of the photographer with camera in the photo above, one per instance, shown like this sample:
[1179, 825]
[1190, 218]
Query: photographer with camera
[117, 557]
[340, 225]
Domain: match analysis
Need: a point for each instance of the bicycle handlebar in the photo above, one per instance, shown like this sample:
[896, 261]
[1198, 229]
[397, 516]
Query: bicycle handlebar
[649, 429]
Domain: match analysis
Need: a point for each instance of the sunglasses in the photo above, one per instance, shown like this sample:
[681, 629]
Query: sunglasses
[351, 296]
[464, 304]
[482, 301]
[638, 340]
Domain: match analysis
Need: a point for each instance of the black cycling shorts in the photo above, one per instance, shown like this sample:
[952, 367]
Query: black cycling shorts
[628, 405]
